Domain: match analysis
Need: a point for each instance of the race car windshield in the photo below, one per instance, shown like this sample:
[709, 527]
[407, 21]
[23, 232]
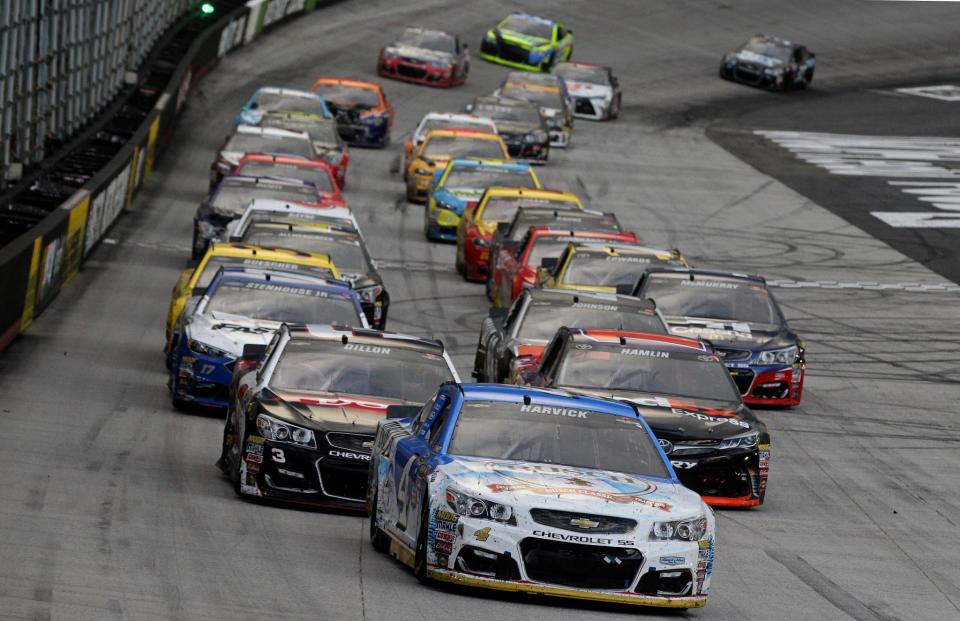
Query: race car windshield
[317, 176]
[562, 436]
[517, 114]
[503, 209]
[233, 199]
[428, 40]
[636, 368]
[540, 97]
[215, 263]
[763, 47]
[380, 370]
[475, 177]
[541, 322]
[457, 146]
[722, 300]
[280, 102]
[345, 96]
[578, 73]
[267, 143]
[282, 302]
[529, 27]
[547, 247]
[606, 270]
[344, 252]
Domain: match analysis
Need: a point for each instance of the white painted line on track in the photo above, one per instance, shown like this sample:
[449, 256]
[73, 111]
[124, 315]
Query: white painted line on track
[912, 287]
[942, 92]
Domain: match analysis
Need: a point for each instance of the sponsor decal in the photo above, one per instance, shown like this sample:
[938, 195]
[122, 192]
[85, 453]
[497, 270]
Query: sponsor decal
[349, 455]
[447, 516]
[255, 439]
[254, 448]
[583, 522]
[709, 284]
[367, 349]
[443, 547]
[684, 465]
[604, 541]
[628, 259]
[483, 534]
[262, 286]
[646, 353]
[555, 411]
[704, 562]
[446, 536]
[672, 561]
[254, 457]
[600, 307]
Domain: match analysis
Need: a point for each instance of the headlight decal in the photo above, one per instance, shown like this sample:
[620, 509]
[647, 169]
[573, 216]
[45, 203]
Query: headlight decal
[279, 431]
[787, 355]
[679, 530]
[471, 506]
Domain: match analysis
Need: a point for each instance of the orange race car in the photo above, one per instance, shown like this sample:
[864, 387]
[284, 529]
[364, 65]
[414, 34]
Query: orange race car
[364, 116]
[442, 145]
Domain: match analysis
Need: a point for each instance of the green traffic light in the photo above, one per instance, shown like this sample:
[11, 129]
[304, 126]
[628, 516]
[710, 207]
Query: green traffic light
[207, 8]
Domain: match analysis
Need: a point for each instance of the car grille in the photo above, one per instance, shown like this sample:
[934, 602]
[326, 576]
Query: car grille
[589, 523]
[583, 106]
[743, 379]
[343, 480]
[748, 72]
[733, 355]
[718, 478]
[511, 52]
[583, 566]
[351, 442]
[411, 72]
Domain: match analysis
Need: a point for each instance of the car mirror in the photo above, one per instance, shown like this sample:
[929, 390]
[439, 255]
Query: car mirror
[503, 228]
[402, 411]
[469, 107]
[254, 105]
[549, 263]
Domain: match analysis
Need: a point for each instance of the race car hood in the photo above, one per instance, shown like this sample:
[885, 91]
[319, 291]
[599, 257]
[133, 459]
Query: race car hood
[588, 90]
[523, 485]
[328, 411]
[731, 333]
[753, 57]
[674, 418]
[458, 198]
[421, 54]
[230, 332]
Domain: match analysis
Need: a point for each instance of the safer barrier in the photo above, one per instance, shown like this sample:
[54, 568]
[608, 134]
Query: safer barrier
[39, 262]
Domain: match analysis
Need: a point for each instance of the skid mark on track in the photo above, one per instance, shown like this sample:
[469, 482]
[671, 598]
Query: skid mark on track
[827, 588]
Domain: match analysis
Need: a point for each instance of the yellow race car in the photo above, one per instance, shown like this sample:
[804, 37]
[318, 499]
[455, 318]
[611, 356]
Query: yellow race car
[442, 145]
[602, 267]
[499, 204]
[194, 280]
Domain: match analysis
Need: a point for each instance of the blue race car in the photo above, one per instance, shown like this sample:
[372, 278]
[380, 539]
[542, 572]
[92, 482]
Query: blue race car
[538, 491]
[271, 101]
[245, 306]
[460, 186]
[738, 315]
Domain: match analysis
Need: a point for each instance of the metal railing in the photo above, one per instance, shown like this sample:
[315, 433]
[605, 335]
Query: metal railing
[62, 62]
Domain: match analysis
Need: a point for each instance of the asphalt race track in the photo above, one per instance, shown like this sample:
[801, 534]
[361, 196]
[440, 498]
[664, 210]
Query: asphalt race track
[112, 507]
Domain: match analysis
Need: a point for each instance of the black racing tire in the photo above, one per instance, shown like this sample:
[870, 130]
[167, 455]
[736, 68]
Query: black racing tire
[420, 552]
[616, 111]
[488, 284]
[808, 78]
[461, 266]
[378, 538]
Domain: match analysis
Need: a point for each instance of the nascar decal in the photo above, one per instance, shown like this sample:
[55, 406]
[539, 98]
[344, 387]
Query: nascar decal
[704, 562]
[441, 533]
[612, 487]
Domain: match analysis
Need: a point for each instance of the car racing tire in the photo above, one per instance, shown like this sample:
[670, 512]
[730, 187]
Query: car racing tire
[461, 266]
[420, 552]
[378, 538]
[615, 112]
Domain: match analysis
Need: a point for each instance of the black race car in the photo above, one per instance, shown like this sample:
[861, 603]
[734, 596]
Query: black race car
[770, 62]
[738, 314]
[519, 123]
[303, 410]
[512, 339]
[717, 446]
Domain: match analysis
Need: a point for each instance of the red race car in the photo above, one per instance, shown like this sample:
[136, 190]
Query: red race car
[320, 174]
[430, 57]
[515, 266]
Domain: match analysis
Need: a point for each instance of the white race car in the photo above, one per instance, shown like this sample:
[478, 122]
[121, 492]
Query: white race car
[594, 90]
[538, 491]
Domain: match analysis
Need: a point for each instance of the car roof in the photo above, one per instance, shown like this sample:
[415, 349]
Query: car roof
[532, 17]
[581, 64]
[569, 297]
[533, 86]
[347, 82]
[649, 340]
[544, 194]
[775, 40]
[460, 132]
[286, 160]
[556, 398]
[250, 251]
[477, 162]
[240, 274]
[706, 273]
[532, 216]
[427, 30]
[254, 180]
[363, 335]
[293, 92]
[256, 130]
[502, 101]
[458, 116]
[618, 249]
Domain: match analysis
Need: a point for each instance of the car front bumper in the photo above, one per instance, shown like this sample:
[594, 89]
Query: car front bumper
[417, 73]
[536, 559]
[772, 385]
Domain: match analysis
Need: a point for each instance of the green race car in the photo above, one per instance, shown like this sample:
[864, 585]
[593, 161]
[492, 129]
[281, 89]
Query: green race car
[527, 42]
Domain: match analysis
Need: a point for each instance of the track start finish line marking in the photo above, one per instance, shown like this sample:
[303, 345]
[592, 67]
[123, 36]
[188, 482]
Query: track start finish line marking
[943, 92]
